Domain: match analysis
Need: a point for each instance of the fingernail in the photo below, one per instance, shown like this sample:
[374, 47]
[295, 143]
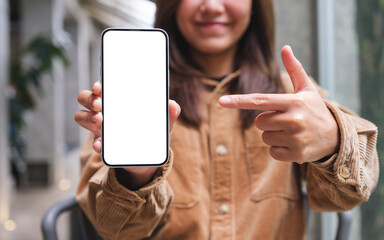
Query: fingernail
[225, 100]
[94, 117]
[178, 111]
[96, 104]
[178, 108]
[94, 87]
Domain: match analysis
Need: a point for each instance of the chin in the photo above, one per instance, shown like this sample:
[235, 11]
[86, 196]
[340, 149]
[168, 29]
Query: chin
[214, 49]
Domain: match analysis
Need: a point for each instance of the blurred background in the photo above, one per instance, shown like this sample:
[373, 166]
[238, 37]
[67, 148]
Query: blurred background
[50, 49]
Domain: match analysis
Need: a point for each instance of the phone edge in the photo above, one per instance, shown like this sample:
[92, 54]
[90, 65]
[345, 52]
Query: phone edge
[167, 96]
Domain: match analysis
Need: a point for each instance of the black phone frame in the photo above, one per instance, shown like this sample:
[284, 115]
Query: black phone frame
[167, 96]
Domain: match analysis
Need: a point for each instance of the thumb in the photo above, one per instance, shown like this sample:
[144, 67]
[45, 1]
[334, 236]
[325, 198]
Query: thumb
[174, 112]
[299, 77]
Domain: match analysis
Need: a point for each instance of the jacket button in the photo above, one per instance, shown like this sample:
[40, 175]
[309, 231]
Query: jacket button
[345, 172]
[221, 149]
[224, 208]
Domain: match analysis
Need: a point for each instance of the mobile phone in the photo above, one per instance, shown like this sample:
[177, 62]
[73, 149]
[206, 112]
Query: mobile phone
[135, 73]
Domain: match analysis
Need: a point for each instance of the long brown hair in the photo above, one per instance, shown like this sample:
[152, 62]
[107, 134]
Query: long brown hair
[255, 57]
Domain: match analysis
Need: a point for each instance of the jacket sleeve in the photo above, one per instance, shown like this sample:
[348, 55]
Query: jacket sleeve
[347, 178]
[115, 211]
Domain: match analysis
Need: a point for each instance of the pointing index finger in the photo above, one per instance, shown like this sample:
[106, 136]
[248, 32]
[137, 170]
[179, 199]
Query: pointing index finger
[257, 101]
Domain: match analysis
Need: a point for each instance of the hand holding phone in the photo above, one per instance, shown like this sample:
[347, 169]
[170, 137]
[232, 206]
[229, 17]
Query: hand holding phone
[91, 120]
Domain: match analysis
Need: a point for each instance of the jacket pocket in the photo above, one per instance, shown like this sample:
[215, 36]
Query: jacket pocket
[185, 178]
[269, 178]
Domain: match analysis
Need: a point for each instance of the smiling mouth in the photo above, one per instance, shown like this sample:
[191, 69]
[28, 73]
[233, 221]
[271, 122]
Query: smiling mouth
[212, 25]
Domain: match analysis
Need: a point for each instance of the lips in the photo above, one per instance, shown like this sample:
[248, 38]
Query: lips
[211, 25]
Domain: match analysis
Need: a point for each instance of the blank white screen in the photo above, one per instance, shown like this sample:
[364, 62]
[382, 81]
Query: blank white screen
[135, 105]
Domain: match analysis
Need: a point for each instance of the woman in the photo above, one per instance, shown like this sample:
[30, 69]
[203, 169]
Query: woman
[245, 138]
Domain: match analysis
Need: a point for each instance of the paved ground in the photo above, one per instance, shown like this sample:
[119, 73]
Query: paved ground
[29, 205]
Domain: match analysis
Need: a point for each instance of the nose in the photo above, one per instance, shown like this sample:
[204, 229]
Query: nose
[212, 6]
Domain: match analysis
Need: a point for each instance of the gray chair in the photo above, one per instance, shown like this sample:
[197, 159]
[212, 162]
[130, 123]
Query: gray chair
[88, 232]
[81, 227]
[345, 219]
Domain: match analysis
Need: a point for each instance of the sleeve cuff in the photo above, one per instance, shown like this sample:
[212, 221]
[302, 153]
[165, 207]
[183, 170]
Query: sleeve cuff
[326, 162]
[114, 189]
[343, 165]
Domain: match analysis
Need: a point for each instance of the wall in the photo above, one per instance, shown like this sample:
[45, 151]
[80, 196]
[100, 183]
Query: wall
[296, 25]
[4, 164]
[39, 130]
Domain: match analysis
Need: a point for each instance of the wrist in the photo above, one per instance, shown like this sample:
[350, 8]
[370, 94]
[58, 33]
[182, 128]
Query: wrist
[135, 178]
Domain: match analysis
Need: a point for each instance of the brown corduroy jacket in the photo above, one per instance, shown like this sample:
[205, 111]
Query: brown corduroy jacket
[221, 183]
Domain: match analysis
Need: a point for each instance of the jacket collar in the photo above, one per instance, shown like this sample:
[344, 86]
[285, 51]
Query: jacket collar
[219, 85]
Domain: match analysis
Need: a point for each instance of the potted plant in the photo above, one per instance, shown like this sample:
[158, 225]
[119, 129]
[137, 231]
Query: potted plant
[26, 74]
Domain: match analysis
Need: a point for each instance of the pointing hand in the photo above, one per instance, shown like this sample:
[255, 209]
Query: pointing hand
[299, 127]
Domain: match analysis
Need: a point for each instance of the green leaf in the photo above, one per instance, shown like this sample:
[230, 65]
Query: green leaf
[23, 77]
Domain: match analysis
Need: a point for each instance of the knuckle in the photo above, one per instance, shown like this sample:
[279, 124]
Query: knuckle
[274, 153]
[298, 140]
[96, 130]
[277, 154]
[237, 100]
[91, 101]
[77, 116]
[90, 116]
[258, 99]
[259, 123]
[298, 122]
[299, 100]
[263, 119]
[266, 137]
